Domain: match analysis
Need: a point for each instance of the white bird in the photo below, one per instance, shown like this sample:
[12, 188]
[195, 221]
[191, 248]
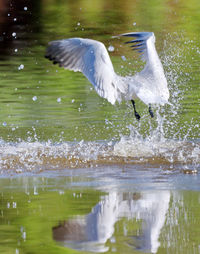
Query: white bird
[92, 59]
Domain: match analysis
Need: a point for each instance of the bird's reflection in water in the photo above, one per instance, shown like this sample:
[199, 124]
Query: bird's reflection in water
[92, 231]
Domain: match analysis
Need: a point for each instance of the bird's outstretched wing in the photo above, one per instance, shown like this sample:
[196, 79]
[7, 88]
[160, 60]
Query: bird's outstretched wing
[150, 84]
[91, 58]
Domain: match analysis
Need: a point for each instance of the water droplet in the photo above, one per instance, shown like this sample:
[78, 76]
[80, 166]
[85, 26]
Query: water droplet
[123, 58]
[25, 8]
[34, 98]
[59, 100]
[21, 67]
[29, 139]
[24, 235]
[16, 50]
[78, 24]
[14, 34]
[134, 24]
[113, 240]
[111, 48]
[15, 19]
[4, 124]
[73, 100]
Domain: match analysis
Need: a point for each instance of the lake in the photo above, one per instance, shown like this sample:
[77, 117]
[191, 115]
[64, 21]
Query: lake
[77, 174]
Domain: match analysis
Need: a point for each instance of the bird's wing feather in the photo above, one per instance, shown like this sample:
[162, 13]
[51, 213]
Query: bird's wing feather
[140, 42]
[151, 82]
[91, 58]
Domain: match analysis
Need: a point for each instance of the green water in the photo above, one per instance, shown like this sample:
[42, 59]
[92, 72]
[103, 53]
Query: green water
[35, 209]
[70, 162]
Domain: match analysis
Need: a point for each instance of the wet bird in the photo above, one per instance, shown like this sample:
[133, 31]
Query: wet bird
[92, 59]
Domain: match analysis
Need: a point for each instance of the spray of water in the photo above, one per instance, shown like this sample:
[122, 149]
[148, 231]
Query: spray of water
[168, 136]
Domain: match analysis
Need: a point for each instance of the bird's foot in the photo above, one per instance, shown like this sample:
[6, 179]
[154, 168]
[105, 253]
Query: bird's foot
[151, 112]
[137, 116]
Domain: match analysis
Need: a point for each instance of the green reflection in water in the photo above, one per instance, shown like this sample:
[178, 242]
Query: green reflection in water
[36, 212]
[29, 213]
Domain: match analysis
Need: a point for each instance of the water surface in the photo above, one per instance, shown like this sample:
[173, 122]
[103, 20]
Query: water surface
[77, 174]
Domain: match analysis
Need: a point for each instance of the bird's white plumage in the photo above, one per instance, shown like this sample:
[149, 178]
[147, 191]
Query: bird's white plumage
[91, 58]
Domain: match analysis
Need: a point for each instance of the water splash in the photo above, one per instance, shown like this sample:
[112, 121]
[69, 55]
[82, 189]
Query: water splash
[37, 156]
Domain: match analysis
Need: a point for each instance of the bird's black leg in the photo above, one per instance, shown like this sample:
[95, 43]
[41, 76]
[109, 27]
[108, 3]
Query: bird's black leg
[150, 111]
[135, 112]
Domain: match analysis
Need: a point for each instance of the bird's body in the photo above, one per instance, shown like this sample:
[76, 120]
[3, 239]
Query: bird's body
[92, 59]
